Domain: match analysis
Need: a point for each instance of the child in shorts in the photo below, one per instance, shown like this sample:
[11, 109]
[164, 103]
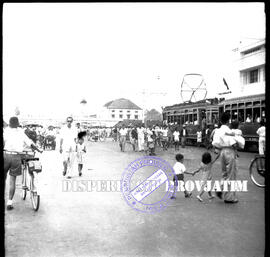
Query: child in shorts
[81, 150]
[205, 168]
[180, 169]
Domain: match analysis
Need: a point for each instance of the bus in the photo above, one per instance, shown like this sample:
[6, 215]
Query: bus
[203, 114]
[195, 115]
[249, 111]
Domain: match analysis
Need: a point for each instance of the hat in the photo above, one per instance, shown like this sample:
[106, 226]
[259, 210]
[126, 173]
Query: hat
[14, 122]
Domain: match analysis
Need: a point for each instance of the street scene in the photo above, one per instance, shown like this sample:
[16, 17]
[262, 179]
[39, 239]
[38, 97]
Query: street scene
[134, 129]
[102, 224]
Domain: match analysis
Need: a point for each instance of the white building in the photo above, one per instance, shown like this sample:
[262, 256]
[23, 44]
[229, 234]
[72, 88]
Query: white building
[120, 109]
[250, 66]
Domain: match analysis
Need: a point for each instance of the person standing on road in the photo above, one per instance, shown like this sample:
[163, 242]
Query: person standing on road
[134, 138]
[14, 141]
[176, 135]
[205, 168]
[199, 138]
[165, 139]
[183, 135]
[122, 141]
[68, 136]
[261, 133]
[140, 131]
[180, 169]
[80, 150]
[225, 139]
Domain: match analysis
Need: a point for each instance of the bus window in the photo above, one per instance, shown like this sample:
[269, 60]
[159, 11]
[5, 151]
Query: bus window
[190, 118]
[234, 115]
[256, 115]
[186, 119]
[195, 119]
[249, 115]
[241, 115]
[263, 112]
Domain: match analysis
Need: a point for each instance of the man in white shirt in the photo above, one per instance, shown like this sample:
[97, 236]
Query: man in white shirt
[199, 138]
[176, 135]
[140, 131]
[122, 141]
[261, 133]
[227, 156]
[15, 142]
[68, 136]
[183, 135]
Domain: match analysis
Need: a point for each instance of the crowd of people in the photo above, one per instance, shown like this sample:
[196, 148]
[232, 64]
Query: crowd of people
[147, 139]
[226, 140]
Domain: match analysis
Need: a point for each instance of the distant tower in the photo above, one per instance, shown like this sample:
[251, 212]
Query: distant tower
[83, 105]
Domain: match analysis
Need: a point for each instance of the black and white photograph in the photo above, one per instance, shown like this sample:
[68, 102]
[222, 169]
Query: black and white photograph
[134, 129]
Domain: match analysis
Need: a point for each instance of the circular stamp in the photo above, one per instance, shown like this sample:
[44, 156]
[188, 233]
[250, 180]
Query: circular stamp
[145, 184]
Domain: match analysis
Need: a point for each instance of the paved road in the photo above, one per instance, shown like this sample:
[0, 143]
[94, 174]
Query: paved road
[102, 224]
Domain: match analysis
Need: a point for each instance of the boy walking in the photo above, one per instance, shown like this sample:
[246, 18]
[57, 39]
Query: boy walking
[180, 169]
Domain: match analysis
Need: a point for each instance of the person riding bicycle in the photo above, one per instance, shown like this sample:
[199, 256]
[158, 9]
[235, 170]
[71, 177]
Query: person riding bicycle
[15, 141]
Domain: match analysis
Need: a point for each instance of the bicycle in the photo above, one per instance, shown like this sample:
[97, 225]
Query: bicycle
[29, 166]
[257, 170]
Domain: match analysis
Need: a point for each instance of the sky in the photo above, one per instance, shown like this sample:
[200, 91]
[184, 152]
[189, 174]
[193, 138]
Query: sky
[56, 54]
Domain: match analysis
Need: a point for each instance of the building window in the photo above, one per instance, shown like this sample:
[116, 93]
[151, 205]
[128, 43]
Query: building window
[254, 76]
[128, 111]
[136, 111]
[136, 117]
[120, 116]
[252, 50]
[113, 110]
[128, 116]
[113, 116]
[121, 111]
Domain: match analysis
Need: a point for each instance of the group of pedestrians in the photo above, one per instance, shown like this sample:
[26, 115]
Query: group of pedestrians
[146, 139]
[226, 141]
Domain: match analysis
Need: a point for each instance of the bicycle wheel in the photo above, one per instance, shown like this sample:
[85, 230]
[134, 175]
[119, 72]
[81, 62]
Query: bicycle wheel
[257, 171]
[24, 187]
[35, 197]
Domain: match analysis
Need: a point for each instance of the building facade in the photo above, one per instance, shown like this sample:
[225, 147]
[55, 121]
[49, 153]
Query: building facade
[250, 67]
[119, 110]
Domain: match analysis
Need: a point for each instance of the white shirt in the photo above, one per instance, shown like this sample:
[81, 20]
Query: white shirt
[225, 140]
[184, 131]
[123, 131]
[261, 131]
[149, 134]
[179, 168]
[68, 135]
[176, 135]
[199, 136]
[140, 132]
[165, 132]
[16, 140]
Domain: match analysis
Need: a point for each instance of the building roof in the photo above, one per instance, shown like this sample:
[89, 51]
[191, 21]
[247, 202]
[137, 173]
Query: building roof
[122, 103]
[204, 102]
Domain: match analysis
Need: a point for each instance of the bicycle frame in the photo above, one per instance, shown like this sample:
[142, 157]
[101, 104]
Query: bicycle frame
[28, 184]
